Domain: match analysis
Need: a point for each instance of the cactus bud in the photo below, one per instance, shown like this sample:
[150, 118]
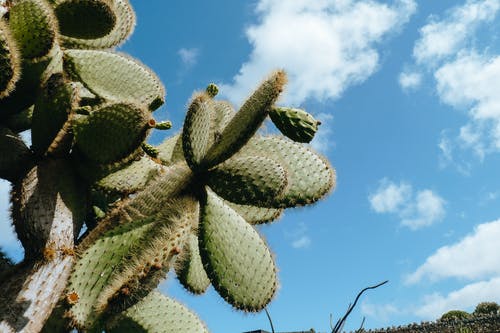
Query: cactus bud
[163, 125]
[212, 90]
[150, 150]
[296, 124]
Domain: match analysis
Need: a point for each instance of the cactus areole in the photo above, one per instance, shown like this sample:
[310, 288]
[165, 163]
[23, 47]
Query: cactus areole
[190, 203]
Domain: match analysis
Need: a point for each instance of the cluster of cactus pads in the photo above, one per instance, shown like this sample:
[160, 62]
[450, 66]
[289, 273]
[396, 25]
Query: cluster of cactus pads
[102, 215]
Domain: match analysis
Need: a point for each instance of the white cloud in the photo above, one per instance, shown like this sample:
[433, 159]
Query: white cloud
[476, 256]
[324, 45]
[302, 242]
[298, 236]
[427, 209]
[415, 209]
[465, 77]
[389, 197]
[322, 141]
[410, 80]
[466, 298]
[441, 38]
[189, 57]
[469, 82]
[381, 312]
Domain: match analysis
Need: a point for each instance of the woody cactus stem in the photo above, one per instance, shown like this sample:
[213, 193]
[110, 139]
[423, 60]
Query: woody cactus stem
[190, 203]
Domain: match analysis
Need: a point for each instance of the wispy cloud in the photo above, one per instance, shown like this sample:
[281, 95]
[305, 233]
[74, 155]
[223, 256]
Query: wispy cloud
[415, 209]
[301, 242]
[299, 237]
[475, 256]
[465, 78]
[442, 38]
[434, 305]
[322, 141]
[189, 56]
[382, 312]
[328, 39]
[410, 80]
[474, 259]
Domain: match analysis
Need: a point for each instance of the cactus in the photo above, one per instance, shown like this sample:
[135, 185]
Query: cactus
[190, 203]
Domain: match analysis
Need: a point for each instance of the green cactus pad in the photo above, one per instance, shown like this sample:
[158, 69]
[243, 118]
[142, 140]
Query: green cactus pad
[33, 26]
[9, 61]
[296, 124]
[112, 132]
[247, 120]
[170, 150]
[131, 178]
[157, 313]
[123, 27]
[115, 77]
[235, 257]
[196, 130]
[85, 19]
[21, 121]
[189, 268]
[96, 265]
[310, 176]
[250, 180]
[149, 261]
[15, 157]
[52, 109]
[35, 73]
[222, 113]
[255, 214]
[146, 203]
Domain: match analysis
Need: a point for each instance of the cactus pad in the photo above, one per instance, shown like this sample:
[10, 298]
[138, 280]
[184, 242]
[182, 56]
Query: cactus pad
[253, 180]
[115, 77]
[131, 178]
[247, 120]
[15, 157]
[85, 19]
[235, 257]
[123, 27]
[196, 130]
[112, 132]
[33, 26]
[157, 313]
[9, 61]
[310, 177]
[189, 268]
[52, 109]
[255, 214]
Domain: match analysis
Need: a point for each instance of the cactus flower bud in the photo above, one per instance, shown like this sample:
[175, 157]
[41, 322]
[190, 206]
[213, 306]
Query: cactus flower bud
[296, 124]
[212, 90]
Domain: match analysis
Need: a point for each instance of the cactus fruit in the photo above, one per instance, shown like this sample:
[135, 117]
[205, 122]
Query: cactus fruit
[296, 124]
[190, 203]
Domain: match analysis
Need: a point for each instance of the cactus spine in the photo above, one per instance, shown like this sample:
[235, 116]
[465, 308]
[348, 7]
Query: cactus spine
[188, 203]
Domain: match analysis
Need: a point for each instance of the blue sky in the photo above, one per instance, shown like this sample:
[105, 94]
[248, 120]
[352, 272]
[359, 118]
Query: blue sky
[407, 94]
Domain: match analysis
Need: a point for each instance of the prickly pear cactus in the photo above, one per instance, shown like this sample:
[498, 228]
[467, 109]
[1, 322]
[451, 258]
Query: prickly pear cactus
[190, 203]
